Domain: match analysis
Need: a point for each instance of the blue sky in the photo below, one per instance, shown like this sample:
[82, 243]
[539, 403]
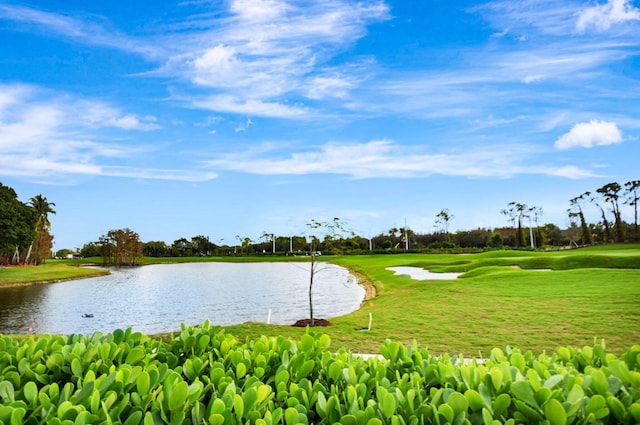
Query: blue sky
[239, 117]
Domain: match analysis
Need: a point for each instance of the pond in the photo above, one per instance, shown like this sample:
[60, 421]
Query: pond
[158, 298]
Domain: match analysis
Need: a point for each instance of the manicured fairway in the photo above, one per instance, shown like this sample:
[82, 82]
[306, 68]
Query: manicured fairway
[498, 303]
[530, 300]
[44, 273]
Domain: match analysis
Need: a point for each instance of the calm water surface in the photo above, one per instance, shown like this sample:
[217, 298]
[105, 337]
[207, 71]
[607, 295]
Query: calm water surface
[159, 298]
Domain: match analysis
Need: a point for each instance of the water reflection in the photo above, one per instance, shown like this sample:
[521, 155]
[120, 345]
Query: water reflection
[158, 298]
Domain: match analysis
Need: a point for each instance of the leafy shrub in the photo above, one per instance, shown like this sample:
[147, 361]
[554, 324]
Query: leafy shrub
[203, 375]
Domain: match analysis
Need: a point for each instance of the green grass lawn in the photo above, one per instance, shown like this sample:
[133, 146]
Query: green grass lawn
[503, 298]
[494, 304]
[52, 271]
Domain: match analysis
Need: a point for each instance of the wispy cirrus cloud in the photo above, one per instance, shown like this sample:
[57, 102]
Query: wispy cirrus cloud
[90, 30]
[266, 53]
[44, 133]
[388, 159]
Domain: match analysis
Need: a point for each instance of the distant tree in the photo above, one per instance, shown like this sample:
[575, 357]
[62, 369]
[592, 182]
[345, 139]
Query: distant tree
[478, 238]
[610, 193]
[42, 243]
[395, 233]
[534, 213]
[182, 247]
[605, 222]
[121, 247]
[17, 226]
[495, 241]
[90, 249]
[156, 249]
[632, 193]
[202, 246]
[270, 237]
[516, 212]
[443, 219]
[63, 253]
[552, 235]
[244, 243]
[575, 210]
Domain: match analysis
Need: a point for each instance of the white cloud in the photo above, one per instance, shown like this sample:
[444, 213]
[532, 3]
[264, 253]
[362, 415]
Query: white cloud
[255, 107]
[47, 134]
[572, 172]
[589, 134]
[80, 30]
[603, 16]
[387, 159]
[266, 50]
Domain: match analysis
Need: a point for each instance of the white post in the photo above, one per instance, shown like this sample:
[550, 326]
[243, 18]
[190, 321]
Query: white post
[269, 318]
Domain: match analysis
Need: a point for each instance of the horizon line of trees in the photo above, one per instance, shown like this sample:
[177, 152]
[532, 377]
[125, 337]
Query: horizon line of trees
[25, 232]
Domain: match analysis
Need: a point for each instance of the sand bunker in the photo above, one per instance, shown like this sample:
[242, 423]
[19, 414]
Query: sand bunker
[418, 273]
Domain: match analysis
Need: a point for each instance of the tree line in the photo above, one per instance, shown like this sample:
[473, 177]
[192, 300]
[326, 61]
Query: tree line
[25, 230]
[595, 218]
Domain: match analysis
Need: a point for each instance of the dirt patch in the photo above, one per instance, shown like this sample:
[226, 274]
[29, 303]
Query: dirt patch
[302, 323]
[370, 288]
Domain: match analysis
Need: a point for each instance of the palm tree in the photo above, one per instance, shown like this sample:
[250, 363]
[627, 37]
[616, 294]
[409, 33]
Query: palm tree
[43, 208]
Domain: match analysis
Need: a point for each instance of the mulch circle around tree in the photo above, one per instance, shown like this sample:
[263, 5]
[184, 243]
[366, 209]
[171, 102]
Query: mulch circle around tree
[307, 322]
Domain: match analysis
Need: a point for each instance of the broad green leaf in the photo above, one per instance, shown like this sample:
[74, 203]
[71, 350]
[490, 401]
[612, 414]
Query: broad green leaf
[496, 377]
[555, 413]
[501, 404]
[307, 342]
[523, 391]
[7, 392]
[518, 361]
[553, 381]
[474, 399]
[30, 391]
[595, 403]
[617, 408]
[599, 382]
[487, 418]
[142, 383]
[216, 419]
[17, 416]
[83, 418]
[178, 396]
[250, 398]
[290, 416]
[238, 406]
[634, 409]
[76, 368]
[241, 370]
[348, 420]
[324, 342]
[134, 418]
[388, 405]
[446, 411]
[458, 402]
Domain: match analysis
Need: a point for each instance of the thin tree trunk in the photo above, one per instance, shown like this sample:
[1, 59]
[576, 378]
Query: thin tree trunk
[26, 259]
[313, 258]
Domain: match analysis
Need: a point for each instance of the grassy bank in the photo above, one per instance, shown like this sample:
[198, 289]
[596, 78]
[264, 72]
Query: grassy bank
[46, 273]
[497, 302]
[531, 300]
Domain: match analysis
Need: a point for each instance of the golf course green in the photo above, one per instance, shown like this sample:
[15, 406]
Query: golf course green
[531, 300]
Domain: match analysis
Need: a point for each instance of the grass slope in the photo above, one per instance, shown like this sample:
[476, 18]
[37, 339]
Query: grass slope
[45, 273]
[493, 304]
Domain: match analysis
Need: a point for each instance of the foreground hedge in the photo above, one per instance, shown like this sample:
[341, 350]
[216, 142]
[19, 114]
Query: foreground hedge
[206, 376]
